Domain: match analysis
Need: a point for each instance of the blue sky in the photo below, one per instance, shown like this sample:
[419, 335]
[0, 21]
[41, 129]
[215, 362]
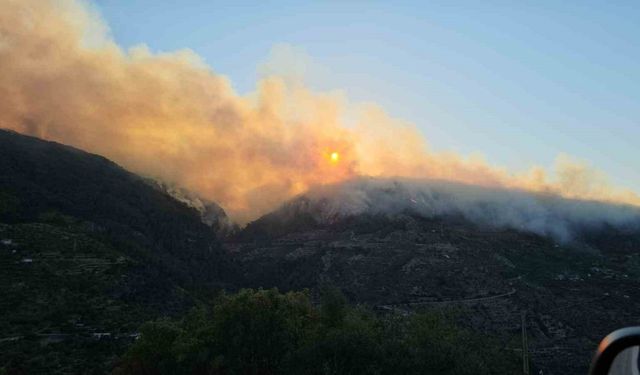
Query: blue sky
[517, 81]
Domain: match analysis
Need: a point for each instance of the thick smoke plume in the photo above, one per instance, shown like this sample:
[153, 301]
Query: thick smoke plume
[548, 215]
[169, 116]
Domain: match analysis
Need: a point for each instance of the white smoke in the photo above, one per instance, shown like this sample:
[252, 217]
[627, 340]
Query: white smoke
[544, 214]
[171, 117]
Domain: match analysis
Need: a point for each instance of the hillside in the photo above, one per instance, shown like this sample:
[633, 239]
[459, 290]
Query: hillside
[88, 251]
[572, 293]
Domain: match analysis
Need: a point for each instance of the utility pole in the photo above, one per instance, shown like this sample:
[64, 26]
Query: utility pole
[525, 346]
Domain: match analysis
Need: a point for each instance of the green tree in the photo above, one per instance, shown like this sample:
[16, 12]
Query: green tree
[153, 352]
[333, 307]
[256, 332]
[438, 346]
[349, 345]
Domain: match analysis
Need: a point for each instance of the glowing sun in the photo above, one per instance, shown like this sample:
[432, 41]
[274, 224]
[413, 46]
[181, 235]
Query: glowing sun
[334, 157]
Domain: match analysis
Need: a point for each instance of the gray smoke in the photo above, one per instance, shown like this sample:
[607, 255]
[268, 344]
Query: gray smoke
[544, 214]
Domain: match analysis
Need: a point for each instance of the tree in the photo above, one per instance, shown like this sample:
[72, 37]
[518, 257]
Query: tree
[264, 332]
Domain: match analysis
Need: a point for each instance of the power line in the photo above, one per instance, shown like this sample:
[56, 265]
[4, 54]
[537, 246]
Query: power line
[525, 346]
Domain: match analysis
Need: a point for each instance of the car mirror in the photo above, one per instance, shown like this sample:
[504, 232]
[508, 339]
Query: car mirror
[617, 353]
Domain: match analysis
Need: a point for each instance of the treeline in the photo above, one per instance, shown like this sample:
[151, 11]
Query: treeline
[267, 332]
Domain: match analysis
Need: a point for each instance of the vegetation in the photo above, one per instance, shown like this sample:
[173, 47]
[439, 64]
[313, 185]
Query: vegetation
[267, 332]
[47, 182]
[61, 289]
[88, 252]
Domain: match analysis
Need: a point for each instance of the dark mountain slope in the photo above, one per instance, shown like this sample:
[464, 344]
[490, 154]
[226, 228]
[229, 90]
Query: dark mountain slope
[87, 247]
[38, 177]
[210, 212]
[572, 293]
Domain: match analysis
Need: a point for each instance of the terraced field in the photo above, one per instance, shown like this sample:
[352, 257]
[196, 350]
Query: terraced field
[60, 302]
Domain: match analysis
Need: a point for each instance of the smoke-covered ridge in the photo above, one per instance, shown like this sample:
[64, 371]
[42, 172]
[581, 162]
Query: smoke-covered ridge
[170, 116]
[545, 214]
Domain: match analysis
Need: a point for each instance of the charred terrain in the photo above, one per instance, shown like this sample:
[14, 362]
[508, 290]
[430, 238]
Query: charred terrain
[90, 251]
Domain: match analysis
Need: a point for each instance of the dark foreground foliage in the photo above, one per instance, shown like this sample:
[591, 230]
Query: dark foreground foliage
[267, 332]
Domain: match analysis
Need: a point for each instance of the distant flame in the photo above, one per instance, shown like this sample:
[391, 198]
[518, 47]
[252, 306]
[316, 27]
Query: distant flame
[334, 157]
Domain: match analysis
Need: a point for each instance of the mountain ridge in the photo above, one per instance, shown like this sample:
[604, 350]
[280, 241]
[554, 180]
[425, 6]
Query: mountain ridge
[572, 293]
[88, 252]
[493, 208]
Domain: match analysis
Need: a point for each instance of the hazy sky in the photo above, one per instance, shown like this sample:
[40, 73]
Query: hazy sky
[519, 82]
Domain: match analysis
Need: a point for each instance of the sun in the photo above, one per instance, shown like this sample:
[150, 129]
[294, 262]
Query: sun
[334, 157]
